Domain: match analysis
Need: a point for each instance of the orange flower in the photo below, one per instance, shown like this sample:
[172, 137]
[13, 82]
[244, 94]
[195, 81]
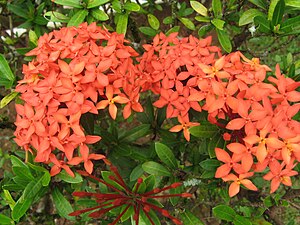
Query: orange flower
[279, 175]
[185, 125]
[216, 69]
[110, 102]
[234, 187]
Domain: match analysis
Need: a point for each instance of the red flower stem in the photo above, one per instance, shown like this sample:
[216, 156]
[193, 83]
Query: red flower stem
[77, 212]
[119, 217]
[137, 214]
[116, 172]
[165, 196]
[120, 183]
[103, 211]
[148, 216]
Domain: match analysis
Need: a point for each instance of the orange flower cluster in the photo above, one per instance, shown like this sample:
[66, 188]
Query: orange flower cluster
[188, 73]
[72, 68]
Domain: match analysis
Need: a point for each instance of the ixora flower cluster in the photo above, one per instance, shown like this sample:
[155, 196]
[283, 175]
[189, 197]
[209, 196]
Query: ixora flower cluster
[188, 73]
[86, 69]
[76, 71]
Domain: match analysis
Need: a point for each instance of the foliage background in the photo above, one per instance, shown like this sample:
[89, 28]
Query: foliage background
[229, 22]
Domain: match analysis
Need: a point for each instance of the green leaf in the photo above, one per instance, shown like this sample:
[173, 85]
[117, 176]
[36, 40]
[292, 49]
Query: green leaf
[25, 174]
[136, 173]
[128, 213]
[95, 3]
[293, 3]
[63, 175]
[20, 10]
[188, 23]
[260, 3]
[219, 24]
[78, 18]
[122, 23]
[136, 133]
[8, 98]
[278, 13]
[5, 220]
[263, 23]
[99, 15]
[203, 30]
[62, 205]
[272, 6]
[57, 17]
[240, 220]
[202, 19]
[105, 176]
[210, 164]
[172, 30]
[132, 6]
[199, 8]
[204, 130]
[216, 141]
[33, 38]
[8, 199]
[217, 7]
[46, 178]
[7, 78]
[72, 3]
[166, 155]
[155, 168]
[290, 24]
[153, 21]
[20, 208]
[15, 161]
[188, 218]
[248, 16]
[24, 202]
[224, 40]
[224, 212]
[150, 183]
[148, 31]
[168, 20]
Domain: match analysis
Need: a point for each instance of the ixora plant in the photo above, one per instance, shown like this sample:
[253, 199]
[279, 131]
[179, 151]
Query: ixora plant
[78, 71]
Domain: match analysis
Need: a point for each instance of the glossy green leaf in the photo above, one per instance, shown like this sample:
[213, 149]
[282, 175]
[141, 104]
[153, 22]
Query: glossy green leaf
[95, 3]
[290, 24]
[56, 17]
[155, 168]
[136, 173]
[166, 155]
[187, 23]
[150, 183]
[7, 78]
[293, 3]
[8, 98]
[240, 220]
[77, 18]
[72, 3]
[46, 178]
[20, 208]
[8, 199]
[216, 141]
[248, 16]
[210, 164]
[153, 21]
[188, 218]
[217, 7]
[25, 174]
[203, 30]
[62, 205]
[224, 40]
[19, 10]
[199, 8]
[278, 13]
[128, 213]
[202, 19]
[168, 20]
[260, 3]
[99, 14]
[172, 30]
[136, 133]
[263, 24]
[204, 130]
[106, 175]
[224, 212]
[148, 31]
[272, 6]
[5, 220]
[132, 6]
[219, 24]
[17, 162]
[122, 23]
